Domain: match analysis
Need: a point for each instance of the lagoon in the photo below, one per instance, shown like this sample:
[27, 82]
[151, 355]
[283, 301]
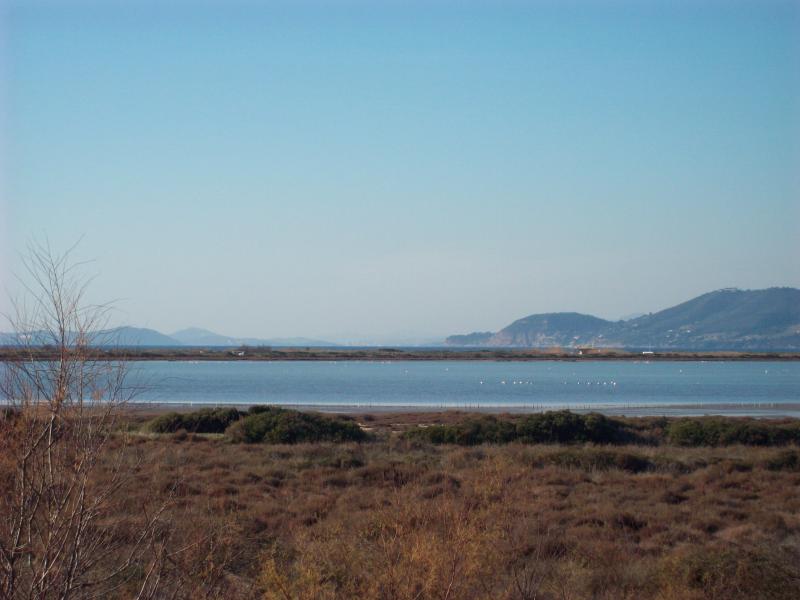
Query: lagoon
[635, 387]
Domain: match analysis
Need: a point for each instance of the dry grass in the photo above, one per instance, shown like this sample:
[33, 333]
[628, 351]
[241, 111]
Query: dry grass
[399, 519]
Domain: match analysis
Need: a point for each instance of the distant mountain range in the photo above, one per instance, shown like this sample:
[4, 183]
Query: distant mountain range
[729, 319]
[194, 336]
[139, 336]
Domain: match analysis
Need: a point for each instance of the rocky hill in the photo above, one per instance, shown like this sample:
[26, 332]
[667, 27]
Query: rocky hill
[729, 319]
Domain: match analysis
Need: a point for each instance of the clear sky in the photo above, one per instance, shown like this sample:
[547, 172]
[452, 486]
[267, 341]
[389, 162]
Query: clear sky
[405, 169]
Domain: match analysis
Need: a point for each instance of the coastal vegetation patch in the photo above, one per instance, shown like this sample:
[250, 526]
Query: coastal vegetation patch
[268, 424]
[276, 425]
[719, 431]
[561, 427]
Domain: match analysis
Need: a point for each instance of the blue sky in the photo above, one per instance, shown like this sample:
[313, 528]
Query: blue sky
[345, 169]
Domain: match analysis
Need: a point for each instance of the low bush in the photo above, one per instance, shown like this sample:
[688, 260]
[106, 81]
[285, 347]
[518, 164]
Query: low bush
[470, 432]
[259, 424]
[565, 427]
[562, 427]
[281, 426]
[715, 431]
[207, 420]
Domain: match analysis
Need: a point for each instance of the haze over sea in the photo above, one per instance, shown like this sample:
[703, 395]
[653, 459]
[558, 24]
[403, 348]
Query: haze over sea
[682, 387]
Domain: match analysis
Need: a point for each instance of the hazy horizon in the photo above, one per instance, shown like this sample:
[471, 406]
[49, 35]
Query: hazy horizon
[401, 170]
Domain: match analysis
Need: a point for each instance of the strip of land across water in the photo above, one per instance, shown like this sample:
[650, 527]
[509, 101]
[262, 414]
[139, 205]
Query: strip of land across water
[417, 412]
[383, 354]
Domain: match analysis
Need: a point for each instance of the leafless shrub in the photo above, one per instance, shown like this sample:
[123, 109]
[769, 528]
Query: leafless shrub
[66, 463]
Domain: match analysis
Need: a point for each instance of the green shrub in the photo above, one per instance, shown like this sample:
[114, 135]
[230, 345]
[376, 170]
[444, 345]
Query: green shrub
[481, 430]
[281, 426]
[715, 431]
[565, 427]
[551, 427]
[206, 420]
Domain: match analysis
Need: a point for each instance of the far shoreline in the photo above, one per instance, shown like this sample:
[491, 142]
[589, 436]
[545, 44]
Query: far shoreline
[336, 353]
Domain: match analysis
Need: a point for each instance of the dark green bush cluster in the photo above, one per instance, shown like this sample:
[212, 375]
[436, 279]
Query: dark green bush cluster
[566, 427]
[207, 420]
[546, 428]
[710, 431]
[470, 432]
[281, 426]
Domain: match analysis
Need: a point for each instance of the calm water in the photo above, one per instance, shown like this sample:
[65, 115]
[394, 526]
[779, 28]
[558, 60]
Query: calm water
[473, 384]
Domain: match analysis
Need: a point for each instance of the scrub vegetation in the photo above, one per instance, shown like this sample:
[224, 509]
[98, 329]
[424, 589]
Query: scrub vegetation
[279, 504]
[279, 425]
[274, 503]
[555, 427]
[398, 516]
[569, 428]
[261, 424]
